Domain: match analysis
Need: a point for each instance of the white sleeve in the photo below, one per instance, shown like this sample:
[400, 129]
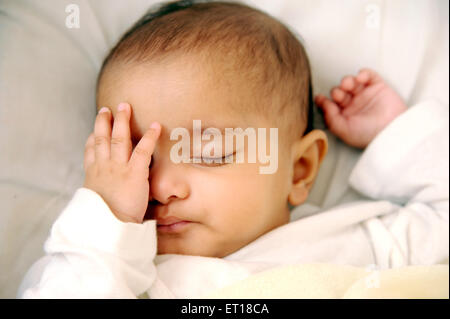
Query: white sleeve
[92, 254]
[408, 165]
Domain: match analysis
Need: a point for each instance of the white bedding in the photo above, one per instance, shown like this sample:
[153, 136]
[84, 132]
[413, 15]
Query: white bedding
[47, 108]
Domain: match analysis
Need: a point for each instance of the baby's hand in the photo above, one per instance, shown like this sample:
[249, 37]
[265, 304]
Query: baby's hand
[360, 108]
[120, 180]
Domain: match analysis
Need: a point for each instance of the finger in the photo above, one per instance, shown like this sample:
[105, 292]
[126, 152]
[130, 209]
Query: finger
[368, 76]
[341, 97]
[89, 151]
[121, 137]
[333, 118]
[102, 131]
[142, 155]
[330, 108]
[319, 99]
[350, 85]
[347, 83]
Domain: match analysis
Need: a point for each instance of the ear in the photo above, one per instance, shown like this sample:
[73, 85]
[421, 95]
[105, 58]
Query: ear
[308, 153]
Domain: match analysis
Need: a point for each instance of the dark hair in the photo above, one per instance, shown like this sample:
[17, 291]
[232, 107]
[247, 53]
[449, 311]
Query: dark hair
[189, 25]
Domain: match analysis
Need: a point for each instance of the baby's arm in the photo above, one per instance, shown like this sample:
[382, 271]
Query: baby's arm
[99, 247]
[405, 163]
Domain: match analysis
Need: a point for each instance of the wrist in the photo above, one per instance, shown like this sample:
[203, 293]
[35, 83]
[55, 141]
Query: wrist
[390, 118]
[128, 219]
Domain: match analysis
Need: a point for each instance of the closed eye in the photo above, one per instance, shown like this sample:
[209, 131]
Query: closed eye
[213, 161]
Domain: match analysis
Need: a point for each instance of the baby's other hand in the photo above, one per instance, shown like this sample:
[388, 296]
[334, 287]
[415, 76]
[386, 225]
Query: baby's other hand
[360, 107]
[120, 180]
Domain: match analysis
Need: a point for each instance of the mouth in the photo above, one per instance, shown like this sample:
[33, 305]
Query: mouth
[170, 224]
[173, 227]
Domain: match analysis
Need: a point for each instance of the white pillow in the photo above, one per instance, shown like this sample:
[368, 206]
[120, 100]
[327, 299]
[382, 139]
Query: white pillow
[47, 90]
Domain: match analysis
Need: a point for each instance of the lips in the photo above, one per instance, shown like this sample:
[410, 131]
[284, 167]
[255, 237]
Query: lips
[168, 221]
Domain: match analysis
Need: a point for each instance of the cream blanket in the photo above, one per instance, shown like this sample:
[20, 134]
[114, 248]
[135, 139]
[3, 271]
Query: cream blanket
[339, 281]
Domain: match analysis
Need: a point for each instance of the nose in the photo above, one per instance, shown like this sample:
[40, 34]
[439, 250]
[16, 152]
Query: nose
[167, 181]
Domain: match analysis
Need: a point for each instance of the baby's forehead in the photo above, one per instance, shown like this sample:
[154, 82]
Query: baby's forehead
[185, 87]
[206, 70]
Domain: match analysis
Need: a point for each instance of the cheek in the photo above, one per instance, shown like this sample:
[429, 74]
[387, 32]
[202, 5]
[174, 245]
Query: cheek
[221, 195]
[241, 197]
[237, 193]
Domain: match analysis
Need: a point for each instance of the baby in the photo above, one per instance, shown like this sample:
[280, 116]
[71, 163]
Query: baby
[229, 66]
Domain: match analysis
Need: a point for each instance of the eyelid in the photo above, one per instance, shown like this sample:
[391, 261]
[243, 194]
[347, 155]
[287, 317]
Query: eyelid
[212, 160]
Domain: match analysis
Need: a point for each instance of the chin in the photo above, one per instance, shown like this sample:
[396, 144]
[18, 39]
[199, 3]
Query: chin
[176, 249]
[192, 251]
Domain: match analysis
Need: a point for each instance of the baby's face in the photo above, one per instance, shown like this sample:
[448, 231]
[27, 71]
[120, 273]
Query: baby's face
[227, 205]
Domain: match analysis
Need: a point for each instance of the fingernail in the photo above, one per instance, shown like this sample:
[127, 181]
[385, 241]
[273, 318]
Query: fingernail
[103, 110]
[122, 106]
[155, 125]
